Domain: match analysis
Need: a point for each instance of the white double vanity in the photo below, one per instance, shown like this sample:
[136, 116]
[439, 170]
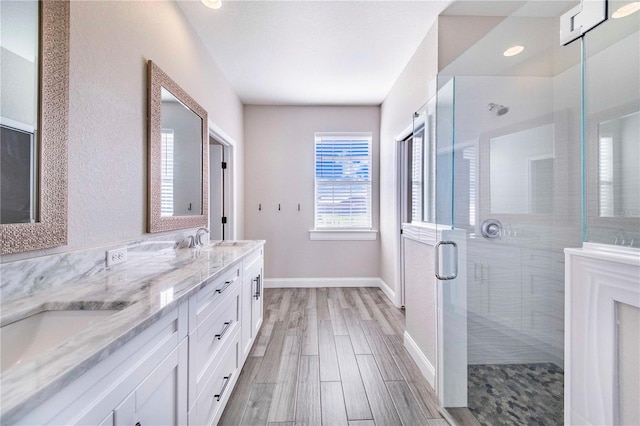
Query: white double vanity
[158, 341]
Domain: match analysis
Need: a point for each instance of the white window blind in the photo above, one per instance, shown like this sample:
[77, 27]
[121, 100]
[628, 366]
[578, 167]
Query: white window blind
[343, 181]
[166, 192]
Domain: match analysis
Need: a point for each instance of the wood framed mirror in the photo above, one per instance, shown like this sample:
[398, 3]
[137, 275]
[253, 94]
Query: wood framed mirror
[34, 125]
[178, 153]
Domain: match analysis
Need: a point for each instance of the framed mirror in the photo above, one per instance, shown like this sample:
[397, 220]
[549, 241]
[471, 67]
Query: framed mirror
[34, 124]
[178, 153]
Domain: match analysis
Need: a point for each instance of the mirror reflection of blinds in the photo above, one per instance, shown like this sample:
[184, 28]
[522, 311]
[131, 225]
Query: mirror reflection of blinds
[605, 173]
[469, 154]
[343, 182]
[166, 192]
[416, 177]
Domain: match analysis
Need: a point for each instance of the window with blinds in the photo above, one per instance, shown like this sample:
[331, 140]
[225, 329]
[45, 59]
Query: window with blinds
[343, 181]
[166, 188]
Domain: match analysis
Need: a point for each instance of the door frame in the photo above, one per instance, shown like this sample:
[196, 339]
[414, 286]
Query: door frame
[402, 173]
[230, 192]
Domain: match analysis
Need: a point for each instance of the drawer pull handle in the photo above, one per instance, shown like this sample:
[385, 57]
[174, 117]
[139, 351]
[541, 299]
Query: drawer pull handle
[257, 281]
[227, 379]
[224, 330]
[226, 285]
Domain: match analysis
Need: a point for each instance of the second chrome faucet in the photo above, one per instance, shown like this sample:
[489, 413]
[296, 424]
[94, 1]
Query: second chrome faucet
[199, 233]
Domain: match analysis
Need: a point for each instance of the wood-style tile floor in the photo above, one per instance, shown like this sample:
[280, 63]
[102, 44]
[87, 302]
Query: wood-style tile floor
[331, 356]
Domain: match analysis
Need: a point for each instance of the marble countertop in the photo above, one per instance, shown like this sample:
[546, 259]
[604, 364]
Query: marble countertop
[134, 288]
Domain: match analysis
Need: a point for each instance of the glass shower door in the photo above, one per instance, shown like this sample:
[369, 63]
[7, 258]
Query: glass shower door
[509, 179]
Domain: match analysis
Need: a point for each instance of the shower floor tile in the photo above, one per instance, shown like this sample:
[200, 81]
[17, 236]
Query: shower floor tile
[516, 394]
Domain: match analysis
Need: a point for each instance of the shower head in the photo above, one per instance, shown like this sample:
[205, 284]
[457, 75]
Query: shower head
[499, 109]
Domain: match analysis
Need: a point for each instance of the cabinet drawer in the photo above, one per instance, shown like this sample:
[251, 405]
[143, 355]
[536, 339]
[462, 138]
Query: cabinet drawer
[212, 334]
[222, 376]
[209, 297]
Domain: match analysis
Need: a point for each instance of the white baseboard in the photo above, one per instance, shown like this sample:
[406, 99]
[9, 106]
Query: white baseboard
[331, 282]
[428, 370]
[388, 291]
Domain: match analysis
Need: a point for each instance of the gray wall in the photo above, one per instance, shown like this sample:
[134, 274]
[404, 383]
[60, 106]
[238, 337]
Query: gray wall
[279, 169]
[110, 45]
[409, 92]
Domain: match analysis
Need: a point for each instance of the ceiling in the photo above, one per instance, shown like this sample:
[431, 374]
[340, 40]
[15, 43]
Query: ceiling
[347, 52]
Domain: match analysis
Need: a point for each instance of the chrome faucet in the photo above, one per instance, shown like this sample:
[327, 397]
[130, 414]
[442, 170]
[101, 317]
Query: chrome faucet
[199, 233]
[191, 240]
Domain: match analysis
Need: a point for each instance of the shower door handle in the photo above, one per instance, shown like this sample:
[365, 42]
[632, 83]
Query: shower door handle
[454, 261]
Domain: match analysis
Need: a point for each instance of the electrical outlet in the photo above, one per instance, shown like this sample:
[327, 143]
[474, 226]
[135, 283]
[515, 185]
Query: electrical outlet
[116, 256]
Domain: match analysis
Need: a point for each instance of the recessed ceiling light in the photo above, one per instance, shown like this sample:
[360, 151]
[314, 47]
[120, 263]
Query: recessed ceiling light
[626, 10]
[213, 4]
[513, 50]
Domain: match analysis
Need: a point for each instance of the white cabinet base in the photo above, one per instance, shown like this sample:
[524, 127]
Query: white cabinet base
[597, 278]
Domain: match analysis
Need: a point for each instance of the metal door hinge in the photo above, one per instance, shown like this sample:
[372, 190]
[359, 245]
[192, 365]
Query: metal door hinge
[581, 19]
[224, 219]
[224, 165]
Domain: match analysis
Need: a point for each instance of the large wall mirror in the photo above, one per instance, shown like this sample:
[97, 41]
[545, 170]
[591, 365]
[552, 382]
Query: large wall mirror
[521, 171]
[517, 170]
[178, 144]
[34, 50]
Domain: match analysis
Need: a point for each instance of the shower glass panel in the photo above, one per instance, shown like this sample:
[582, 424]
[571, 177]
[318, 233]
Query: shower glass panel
[509, 175]
[612, 137]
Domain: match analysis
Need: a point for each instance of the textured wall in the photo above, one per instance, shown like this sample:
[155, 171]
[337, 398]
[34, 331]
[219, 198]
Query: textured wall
[110, 45]
[410, 91]
[279, 169]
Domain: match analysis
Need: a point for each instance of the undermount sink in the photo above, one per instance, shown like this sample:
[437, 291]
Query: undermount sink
[23, 340]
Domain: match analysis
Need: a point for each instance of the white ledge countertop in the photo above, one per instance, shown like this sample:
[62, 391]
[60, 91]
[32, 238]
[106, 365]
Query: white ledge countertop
[133, 288]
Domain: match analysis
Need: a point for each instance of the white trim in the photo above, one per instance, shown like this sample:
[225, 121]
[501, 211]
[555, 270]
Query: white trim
[389, 292]
[230, 145]
[423, 232]
[343, 235]
[324, 282]
[398, 201]
[338, 135]
[220, 135]
[619, 254]
[596, 277]
[332, 282]
[405, 133]
[427, 369]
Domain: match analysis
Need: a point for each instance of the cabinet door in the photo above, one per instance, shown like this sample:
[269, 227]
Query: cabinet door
[246, 302]
[161, 399]
[108, 421]
[256, 304]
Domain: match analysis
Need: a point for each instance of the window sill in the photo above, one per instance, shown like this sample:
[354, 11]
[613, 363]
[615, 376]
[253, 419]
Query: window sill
[343, 235]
